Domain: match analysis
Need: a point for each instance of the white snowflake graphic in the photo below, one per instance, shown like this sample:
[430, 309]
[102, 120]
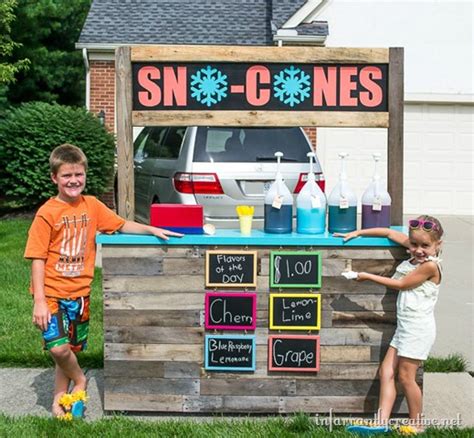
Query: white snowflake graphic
[291, 86]
[209, 86]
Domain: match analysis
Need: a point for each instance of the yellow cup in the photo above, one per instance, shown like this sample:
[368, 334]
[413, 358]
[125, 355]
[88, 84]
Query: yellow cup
[246, 224]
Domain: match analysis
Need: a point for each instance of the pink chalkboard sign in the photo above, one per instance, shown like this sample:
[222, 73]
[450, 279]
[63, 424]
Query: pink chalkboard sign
[230, 310]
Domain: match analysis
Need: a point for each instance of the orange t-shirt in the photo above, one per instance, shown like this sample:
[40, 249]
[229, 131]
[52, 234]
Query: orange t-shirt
[63, 235]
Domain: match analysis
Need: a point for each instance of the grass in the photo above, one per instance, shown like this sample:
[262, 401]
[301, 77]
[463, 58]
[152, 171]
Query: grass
[454, 363]
[20, 341]
[300, 425]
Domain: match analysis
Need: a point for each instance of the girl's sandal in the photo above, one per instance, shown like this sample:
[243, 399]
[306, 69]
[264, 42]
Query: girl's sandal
[408, 430]
[367, 428]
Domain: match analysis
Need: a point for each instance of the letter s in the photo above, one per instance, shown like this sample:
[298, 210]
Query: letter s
[152, 95]
[373, 96]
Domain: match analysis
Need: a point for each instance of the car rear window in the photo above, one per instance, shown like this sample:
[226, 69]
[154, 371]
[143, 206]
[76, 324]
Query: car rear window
[249, 144]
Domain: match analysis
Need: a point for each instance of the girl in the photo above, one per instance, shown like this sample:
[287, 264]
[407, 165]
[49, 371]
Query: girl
[418, 280]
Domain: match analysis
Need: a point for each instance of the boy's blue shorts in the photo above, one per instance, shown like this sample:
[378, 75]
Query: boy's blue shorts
[69, 323]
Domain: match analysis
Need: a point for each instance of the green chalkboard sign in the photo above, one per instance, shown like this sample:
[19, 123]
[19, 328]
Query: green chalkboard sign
[295, 269]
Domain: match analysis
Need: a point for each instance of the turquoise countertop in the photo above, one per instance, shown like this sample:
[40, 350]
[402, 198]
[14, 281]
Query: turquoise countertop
[257, 238]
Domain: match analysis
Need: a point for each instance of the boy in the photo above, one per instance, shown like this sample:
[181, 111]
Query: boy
[61, 244]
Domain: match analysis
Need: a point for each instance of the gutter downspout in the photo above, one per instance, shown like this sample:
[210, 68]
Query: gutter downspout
[88, 79]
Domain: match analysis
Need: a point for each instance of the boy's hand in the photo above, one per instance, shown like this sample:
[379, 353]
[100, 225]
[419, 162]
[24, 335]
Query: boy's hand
[163, 234]
[41, 315]
[347, 236]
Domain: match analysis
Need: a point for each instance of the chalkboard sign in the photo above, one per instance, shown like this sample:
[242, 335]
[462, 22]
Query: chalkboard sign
[291, 269]
[230, 353]
[293, 353]
[230, 311]
[295, 311]
[231, 268]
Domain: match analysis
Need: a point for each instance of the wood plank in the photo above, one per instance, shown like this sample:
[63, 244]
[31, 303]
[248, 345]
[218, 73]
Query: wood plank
[215, 53]
[154, 300]
[330, 371]
[261, 118]
[163, 369]
[123, 99]
[363, 319]
[178, 266]
[133, 266]
[346, 353]
[146, 251]
[161, 352]
[354, 404]
[378, 267]
[154, 335]
[140, 385]
[248, 387]
[392, 253]
[153, 317]
[395, 133]
[362, 302]
[159, 283]
[117, 401]
[356, 336]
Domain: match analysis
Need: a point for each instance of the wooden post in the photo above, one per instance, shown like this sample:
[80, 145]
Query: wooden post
[123, 80]
[395, 133]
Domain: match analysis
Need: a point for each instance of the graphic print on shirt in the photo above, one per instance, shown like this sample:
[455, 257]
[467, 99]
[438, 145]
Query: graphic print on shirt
[73, 245]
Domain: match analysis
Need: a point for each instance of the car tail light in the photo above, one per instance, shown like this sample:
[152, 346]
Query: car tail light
[198, 183]
[320, 181]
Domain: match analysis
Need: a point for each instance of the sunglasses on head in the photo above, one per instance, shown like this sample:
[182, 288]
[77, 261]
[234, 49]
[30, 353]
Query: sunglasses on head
[426, 225]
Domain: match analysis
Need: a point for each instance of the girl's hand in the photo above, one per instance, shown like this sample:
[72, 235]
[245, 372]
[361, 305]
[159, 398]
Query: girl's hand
[362, 276]
[347, 236]
[41, 315]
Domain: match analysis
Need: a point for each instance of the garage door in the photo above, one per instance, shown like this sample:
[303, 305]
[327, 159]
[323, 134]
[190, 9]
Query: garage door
[438, 157]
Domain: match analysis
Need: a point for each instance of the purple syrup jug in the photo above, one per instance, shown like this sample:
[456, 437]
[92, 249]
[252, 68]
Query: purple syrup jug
[376, 202]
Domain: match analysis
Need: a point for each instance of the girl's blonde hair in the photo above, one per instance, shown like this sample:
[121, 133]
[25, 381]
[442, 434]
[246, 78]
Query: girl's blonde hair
[436, 233]
[66, 154]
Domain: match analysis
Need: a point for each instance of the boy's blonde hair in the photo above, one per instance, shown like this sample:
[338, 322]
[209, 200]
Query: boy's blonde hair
[66, 154]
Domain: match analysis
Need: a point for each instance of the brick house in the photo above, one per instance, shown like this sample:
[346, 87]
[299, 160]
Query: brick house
[112, 23]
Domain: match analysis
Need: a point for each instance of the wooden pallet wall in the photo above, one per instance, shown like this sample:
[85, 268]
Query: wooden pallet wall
[154, 336]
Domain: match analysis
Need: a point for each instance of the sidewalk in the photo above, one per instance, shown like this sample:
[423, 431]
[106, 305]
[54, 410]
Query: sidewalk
[28, 391]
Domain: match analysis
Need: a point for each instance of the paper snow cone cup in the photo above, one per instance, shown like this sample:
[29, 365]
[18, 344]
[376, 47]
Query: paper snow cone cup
[246, 224]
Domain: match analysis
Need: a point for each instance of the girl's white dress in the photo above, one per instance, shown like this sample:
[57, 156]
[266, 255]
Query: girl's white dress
[416, 328]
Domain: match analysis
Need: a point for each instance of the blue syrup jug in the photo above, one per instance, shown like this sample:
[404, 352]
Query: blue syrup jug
[342, 214]
[311, 205]
[278, 212]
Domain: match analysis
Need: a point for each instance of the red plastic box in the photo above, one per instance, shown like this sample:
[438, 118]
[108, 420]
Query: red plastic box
[186, 219]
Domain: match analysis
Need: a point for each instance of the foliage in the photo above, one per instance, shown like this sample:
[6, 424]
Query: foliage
[454, 363]
[114, 426]
[30, 132]
[20, 341]
[7, 45]
[48, 31]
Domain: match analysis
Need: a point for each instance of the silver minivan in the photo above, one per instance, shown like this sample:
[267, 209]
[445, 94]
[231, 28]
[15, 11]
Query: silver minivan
[217, 167]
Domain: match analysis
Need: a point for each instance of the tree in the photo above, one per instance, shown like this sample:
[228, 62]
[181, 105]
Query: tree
[48, 31]
[7, 45]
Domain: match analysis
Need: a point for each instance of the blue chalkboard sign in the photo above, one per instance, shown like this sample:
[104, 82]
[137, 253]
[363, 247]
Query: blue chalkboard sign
[230, 353]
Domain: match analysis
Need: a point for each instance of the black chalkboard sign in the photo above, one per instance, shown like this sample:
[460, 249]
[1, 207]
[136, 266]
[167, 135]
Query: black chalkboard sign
[292, 269]
[295, 311]
[231, 311]
[230, 353]
[231, 268]
[293, 353]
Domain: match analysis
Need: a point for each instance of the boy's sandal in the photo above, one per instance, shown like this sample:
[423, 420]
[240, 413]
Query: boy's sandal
[77, 409]
[74, 404]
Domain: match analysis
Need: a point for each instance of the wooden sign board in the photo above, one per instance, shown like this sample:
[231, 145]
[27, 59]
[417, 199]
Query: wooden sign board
[293, 353]
[295, 311]
[231, 268]
[292, 269]
[230, 311]
[230, 353]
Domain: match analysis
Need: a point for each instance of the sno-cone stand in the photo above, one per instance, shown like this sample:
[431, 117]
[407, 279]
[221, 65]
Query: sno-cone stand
[259, 323]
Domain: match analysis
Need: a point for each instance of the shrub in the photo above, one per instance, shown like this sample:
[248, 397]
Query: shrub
[454, 363]
[31, 131]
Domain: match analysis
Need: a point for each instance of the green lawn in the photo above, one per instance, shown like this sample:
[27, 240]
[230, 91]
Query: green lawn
[300, 426]
[20, 341]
